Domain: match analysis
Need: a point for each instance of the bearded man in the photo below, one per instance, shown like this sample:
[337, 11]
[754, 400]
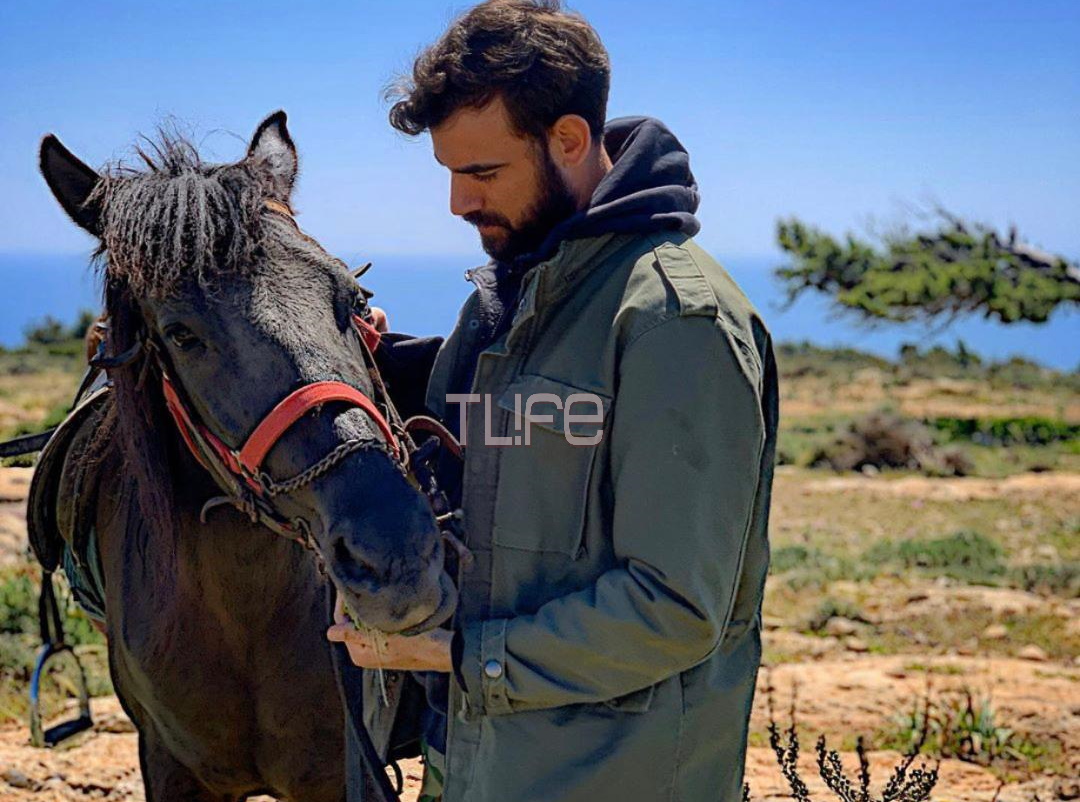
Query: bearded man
[607, 638]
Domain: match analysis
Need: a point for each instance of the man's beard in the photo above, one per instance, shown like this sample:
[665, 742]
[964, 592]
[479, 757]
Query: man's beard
[554, 204]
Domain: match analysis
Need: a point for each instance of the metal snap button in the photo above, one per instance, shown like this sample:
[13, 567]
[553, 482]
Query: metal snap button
[493, 669]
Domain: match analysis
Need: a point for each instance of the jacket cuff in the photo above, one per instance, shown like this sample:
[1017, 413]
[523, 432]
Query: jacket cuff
[482, 670]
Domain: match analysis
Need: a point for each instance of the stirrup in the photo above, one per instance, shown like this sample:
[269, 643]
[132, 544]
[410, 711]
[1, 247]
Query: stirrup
[53, 646]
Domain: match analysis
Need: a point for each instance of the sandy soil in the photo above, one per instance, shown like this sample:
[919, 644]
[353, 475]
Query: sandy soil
[851, 694]
[842, 692]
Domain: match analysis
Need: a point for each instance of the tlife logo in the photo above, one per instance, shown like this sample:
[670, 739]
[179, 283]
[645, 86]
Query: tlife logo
[578, 408]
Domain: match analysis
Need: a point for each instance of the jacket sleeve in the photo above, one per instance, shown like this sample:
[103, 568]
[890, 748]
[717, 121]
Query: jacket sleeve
[687, 439]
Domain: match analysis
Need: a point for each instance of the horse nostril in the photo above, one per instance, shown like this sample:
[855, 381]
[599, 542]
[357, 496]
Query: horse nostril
[355, 567]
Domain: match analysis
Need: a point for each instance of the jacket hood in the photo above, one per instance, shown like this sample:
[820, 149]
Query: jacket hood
[649, 188]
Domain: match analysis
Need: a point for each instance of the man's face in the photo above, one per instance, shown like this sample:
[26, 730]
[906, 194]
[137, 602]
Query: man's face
[503, 183]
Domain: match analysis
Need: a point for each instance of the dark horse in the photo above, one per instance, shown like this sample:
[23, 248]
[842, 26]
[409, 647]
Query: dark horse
[216, 629]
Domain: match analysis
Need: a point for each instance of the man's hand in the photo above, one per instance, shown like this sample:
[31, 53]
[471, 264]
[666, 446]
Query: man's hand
[369, 649]
[380, 320]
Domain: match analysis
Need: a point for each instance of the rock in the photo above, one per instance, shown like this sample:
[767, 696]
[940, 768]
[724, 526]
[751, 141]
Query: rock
[995, 632]
[968, 648]
[771, 622]
[870, 470]
[856, 645]
[1065, 788]
[1033, 653]
[16, 779]
[917, 596]
[840, 627]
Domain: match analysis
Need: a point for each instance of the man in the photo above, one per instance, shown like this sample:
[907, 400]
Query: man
[607, 639]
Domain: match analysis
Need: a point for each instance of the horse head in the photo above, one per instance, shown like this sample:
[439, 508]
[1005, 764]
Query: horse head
[220, 305]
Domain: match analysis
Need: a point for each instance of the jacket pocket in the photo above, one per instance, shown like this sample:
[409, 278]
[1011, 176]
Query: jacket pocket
[633, 702]
[544, 476]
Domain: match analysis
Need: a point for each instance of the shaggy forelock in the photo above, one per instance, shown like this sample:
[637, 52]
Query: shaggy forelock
[178, 219]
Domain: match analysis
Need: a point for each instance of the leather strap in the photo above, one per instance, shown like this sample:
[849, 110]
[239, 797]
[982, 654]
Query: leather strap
[294, 406]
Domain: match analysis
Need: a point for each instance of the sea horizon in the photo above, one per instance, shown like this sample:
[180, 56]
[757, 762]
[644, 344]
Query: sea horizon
[423, 293]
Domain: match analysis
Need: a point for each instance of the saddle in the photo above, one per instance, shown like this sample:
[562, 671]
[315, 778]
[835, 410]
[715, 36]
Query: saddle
[63, 498]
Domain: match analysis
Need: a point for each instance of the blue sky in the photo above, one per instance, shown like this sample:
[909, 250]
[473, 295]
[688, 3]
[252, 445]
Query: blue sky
[834, 111]
[838, 112]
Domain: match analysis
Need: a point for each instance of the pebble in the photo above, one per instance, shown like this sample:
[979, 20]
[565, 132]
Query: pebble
[1067, 789]
[16, 779]
[995, 632]
[1032, 652]
[840, 627]
[856, 645]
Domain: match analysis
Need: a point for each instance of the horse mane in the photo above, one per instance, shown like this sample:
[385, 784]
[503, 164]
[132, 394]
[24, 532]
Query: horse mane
[178, 219]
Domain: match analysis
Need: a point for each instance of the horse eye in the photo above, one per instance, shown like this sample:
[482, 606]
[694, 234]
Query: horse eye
[182, 337]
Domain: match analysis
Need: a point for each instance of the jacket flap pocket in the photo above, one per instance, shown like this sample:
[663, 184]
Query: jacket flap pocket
[633, 702]
[556, 406]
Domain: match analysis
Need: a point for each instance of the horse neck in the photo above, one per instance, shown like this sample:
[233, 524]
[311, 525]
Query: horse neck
[227, 566]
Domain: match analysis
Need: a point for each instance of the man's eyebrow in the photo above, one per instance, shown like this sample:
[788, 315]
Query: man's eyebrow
[476, 167]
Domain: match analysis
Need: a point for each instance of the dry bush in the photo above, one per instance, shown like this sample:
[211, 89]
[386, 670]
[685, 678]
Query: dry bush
[886, 440]
[907, 784]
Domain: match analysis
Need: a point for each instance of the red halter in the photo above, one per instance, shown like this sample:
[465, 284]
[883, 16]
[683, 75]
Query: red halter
[246, 463]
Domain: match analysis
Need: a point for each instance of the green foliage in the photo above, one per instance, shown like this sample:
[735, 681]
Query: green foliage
[1051, 579]
[968, 556]
[964, 727]
[49, 331]
[82, 323]
[19, 588]
[18, 603]
[956, 269]
[803, 567]
[46, 331]
[833, 608]
[1030, 430]
[796, 359]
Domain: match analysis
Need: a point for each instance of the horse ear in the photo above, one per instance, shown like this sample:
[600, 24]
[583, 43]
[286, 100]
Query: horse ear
[273, 155]
[71, 182]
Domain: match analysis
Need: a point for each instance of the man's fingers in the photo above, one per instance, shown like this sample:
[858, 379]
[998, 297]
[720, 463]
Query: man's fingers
[346, 633]
[339, 611]
[379, 319]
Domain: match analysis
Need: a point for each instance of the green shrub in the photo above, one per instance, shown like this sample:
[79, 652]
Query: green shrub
[964, 727]
[834, 608]
[968, 556]
[1061, 579]
[1035, 431]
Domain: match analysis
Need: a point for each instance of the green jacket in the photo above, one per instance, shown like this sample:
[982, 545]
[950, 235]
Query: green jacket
[611, 618]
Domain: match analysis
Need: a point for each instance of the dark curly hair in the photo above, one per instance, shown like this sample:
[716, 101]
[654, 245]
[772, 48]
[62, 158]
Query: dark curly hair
[543, 62]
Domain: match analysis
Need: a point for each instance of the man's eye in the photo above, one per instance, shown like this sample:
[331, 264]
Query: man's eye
[485, 177]
[182, 337]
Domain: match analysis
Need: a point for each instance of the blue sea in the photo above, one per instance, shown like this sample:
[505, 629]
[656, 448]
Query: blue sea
[423, 294]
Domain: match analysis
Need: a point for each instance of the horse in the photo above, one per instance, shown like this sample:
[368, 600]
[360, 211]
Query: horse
[238, 360]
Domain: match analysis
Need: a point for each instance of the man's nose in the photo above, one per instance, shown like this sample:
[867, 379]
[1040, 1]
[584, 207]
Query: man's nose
[463, 197]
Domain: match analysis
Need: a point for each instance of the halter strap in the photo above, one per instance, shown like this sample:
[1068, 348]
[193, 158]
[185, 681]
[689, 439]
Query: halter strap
[246, 463]
[297, 404]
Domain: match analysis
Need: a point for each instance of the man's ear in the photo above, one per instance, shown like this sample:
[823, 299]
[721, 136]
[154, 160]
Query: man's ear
[72, 182]
[570, 141]
[273, 155]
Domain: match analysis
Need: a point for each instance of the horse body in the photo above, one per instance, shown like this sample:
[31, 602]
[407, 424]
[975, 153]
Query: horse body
[216, 623]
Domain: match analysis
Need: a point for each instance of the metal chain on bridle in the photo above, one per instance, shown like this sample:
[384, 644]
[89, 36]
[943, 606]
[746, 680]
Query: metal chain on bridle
[250, 489]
